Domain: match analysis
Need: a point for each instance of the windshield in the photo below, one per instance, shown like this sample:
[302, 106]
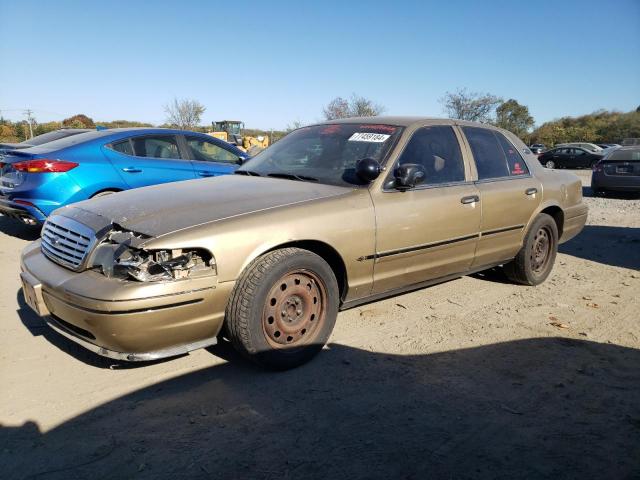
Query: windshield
[324, 153]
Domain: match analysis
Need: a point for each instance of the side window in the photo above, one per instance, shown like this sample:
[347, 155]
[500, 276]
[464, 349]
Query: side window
[156, 146]
[206, 151]
[122, 147]
[514, 160]
[438, 151]
[487, 152]
[578, 151]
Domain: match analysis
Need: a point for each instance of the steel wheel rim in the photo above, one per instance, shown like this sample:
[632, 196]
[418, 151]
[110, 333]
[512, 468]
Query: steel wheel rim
[550, 164]
[295, 309]
[541, 250]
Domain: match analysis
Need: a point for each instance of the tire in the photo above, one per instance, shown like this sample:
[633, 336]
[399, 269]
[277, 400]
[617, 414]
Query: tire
[550, 164]
[534, 262]
[283, 308]
[103, 193]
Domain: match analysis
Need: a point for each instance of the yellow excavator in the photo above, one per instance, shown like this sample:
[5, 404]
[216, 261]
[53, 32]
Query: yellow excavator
[232, 131]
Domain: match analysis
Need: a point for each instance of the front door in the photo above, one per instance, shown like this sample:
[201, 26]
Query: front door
[430, 231]
[210, 158]
[509, 194]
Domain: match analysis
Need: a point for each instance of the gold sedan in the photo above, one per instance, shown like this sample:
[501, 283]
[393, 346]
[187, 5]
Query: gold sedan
[330, 217]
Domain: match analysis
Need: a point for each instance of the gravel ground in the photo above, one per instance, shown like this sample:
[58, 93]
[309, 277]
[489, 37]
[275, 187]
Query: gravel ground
[472, 378]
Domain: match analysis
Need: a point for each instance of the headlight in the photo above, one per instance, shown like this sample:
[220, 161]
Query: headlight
[123, 261]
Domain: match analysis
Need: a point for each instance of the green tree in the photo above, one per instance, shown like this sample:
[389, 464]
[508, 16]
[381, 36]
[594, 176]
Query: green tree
[514, 117]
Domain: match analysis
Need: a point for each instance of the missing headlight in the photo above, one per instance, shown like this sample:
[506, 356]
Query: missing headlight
[121, 260]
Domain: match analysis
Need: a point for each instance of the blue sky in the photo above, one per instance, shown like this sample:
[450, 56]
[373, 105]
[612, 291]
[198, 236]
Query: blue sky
[271, 63]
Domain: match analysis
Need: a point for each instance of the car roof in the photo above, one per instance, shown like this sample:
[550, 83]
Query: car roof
[407, 121]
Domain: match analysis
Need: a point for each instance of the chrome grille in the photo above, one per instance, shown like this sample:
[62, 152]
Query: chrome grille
[66, 241]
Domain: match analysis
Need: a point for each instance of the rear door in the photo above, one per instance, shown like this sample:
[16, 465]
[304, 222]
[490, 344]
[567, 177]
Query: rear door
[149, 160]
[509, 194]
[210, 157]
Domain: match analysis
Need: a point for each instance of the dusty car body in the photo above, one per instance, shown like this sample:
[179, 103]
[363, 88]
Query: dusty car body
[267, 258]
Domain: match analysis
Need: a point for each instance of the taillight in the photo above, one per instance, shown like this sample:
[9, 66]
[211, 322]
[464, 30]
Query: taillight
[597, 167]
[44, 165]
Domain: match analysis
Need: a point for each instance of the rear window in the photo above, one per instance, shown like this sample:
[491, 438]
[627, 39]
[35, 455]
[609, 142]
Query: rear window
[156, 146]
[67, 142]
[122, 147]
[628, 155]
[487, 153]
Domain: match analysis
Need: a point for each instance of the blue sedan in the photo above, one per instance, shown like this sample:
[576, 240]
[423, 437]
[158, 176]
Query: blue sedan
[35, 181]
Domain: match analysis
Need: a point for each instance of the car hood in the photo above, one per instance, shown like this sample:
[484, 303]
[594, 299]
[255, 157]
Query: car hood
[167, 208]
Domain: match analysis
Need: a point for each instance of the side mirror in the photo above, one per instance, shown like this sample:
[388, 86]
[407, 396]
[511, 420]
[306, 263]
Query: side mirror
[367, 169]
[409, 175]
[241, 160]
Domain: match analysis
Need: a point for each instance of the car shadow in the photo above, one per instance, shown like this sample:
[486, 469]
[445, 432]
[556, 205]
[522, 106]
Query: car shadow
[535, 408]
[15, 228]
[615, 246]
[38, 327]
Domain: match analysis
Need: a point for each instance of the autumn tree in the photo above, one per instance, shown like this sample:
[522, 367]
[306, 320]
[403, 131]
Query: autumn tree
[185, 114]
[356, 106]
[78, 121]
[514, 117]
[473, 106]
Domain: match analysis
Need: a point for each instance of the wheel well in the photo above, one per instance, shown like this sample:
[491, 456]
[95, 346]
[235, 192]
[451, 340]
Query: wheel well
[558, 216]
[329, 255]
[105, 190]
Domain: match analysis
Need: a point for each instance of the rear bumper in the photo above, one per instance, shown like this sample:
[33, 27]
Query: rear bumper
[24, 213]
[620, 183]
[128, 320]
[575, 219]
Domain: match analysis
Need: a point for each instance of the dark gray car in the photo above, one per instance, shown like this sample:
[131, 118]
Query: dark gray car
[617, 171]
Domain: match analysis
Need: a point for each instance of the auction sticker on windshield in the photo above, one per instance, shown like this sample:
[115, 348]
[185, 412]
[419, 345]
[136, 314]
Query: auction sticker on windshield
[368, 137]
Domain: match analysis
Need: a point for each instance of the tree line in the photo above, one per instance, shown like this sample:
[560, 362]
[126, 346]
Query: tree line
[601, 126]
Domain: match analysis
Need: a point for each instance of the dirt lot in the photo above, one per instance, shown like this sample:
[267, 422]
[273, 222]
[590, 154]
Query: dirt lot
[472, 378]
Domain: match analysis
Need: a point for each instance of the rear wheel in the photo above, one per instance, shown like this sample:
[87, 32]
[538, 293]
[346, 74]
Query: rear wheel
[550, 164]
[534, 262]
[283, 308]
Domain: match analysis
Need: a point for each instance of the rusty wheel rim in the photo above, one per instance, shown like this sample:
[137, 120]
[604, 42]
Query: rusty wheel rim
[294, 309]
[541, 250]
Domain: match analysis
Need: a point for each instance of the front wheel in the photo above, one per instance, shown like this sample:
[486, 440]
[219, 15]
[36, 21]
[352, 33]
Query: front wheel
[550, 164]
[534, 262]
[283, 308]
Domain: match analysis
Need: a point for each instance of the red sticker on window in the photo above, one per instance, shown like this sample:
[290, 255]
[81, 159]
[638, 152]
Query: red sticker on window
[330, 129]
[378, 128]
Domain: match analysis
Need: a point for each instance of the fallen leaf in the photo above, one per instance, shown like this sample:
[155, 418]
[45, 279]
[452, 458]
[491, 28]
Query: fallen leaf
[400, 305]
[593, 305]
[559, 325]
[587, 298]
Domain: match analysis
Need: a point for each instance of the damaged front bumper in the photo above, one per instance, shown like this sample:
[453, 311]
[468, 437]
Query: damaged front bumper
[124, 319]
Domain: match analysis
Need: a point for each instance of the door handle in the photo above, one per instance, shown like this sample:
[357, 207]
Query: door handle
[131, 170]
[531, 191]
[206, 174]
[469, 199]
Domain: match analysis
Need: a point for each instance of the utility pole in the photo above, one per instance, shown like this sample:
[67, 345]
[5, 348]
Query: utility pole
[28, 113]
